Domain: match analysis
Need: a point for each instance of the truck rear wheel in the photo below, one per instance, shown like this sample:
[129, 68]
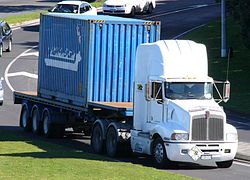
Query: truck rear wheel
[224, 164]
[97, 141]
[112, 142]
[36, 123]
[47, 126]
[25, 121]
[159, 153]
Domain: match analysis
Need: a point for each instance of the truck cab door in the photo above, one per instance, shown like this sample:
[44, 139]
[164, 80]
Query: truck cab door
[155, 104]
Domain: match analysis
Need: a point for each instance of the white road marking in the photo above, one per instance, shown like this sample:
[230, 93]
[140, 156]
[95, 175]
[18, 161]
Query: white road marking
[35, 76]
[182, 34]
[10, 64]
[31, 54]
[178, 11]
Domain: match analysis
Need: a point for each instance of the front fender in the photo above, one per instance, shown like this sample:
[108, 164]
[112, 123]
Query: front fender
[165, 130]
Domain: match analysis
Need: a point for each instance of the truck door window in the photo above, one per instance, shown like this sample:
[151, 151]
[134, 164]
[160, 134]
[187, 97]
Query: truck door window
[156, 91]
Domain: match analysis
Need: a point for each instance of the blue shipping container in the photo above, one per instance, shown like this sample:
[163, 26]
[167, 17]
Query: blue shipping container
[90, 58]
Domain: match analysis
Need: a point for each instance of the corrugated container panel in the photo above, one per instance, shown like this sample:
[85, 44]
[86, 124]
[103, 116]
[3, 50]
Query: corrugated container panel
[90, 58]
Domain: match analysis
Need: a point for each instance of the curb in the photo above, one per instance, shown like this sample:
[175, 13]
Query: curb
[25, 23]
[242, 157]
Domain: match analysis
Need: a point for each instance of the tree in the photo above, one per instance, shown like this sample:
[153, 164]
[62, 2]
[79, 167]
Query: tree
[245, 21]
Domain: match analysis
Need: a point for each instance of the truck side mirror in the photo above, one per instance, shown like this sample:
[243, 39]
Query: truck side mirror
[226, 91]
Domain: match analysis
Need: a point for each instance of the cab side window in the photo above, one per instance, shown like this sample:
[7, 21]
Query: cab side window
[156, 91]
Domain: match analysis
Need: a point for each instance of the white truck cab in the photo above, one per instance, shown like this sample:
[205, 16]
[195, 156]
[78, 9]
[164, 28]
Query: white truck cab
[176, 117]
[128, 7]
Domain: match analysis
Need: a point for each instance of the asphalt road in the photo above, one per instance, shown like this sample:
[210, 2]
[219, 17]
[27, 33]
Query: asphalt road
[16, 7]
[176, 17]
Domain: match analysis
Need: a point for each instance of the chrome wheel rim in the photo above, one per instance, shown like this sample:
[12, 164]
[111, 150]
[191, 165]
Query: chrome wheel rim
[159, 153]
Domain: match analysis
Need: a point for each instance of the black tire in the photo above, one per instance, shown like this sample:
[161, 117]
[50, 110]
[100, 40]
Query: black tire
[112, 142]
[9, 49]
[97, 140]
[1, 50]
[36, 122]
[159, 153]
[132, 13]
[150, 8]
[47, 125]
[25, 120]
[224, 164]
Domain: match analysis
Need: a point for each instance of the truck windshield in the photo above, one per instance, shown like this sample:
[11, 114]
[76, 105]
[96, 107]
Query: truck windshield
[187, 90]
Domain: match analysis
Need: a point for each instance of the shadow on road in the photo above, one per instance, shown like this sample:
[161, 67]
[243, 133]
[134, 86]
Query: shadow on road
[34, 28]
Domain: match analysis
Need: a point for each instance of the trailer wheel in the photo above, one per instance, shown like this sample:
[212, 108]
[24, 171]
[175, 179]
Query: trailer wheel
[47, 126]
[36, 123]
[224, 164]
[159, 153]
[25, 121]
[97, 141]
[112, 142]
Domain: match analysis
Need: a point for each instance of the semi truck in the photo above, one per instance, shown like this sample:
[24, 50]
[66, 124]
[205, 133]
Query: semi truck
[113, 78]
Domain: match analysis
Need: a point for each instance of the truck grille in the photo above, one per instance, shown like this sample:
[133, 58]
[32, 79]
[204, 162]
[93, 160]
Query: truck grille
[207, 129]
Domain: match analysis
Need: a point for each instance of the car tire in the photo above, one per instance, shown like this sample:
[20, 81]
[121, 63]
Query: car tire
[132, 13]
[9, 49]
[150, 8]
[1, 50]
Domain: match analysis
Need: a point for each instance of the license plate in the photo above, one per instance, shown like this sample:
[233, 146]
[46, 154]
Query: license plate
[206, 157]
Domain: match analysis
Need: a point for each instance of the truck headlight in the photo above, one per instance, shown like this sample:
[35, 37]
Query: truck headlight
[180, 136]
[232, 136]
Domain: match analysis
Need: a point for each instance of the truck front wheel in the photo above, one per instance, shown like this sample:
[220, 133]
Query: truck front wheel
[224, 164]
[97, 141]
[159, 153]
[25, 121]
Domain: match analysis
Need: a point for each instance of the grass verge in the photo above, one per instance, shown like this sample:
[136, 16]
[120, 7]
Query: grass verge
[239, 65]
[17, 19]
[25, 157]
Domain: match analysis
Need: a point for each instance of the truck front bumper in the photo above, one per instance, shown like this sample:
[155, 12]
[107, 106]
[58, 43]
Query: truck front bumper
[200, 152]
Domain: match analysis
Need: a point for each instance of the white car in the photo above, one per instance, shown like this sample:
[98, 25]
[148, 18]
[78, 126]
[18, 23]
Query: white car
[128, 7]
[76, 7]
[1, 92]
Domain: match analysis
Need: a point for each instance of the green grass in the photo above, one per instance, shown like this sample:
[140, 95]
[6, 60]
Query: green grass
[239, 65]
[35, 15]
[25, 157]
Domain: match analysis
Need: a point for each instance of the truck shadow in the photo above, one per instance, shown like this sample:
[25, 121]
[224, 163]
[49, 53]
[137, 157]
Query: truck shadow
[77, 146]
[47, 148]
